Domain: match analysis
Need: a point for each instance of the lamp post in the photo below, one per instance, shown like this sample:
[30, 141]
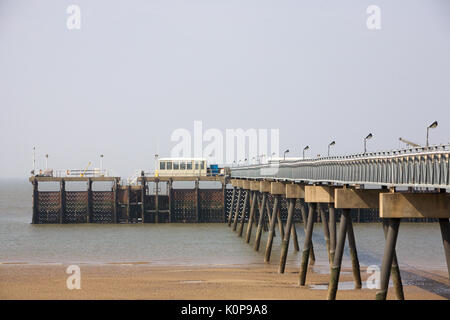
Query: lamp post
[332, 143]
[304, 149]
[46, 161]
[156, 165]
[369, 136]
[284, 154]
[34, 160]
[431, 126]
[101, 165]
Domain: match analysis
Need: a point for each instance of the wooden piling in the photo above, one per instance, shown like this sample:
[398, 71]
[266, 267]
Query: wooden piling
[251, 216]
[243, 214]
[307, 244]
[169, 185]
[326, 230]
[114, 217]
[142, 197]
[279, 221]
[445, 232]
[157, 201]
[295, 237]
[89, 201]
[276, 205]
[389, 251]
[236, 213]
[312, 256]
[128, 203]
[332, 222]
[337, 261]
[35, 217]
[62, 201]
[224, 199]
[230, 214]
[353, 254]
[262, 212]
[395, 269]
[287, 235]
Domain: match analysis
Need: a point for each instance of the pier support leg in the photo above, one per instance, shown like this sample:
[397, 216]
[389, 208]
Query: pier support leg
[269, 216]
[236, 212]
[224, 200]
[142, 197]
[89, 201]
[262, 212]
[276, 205]
[388, 257]
[307, 244]
[326, 231]
[35, 218]
[337, 261]
[287, 235]
[332, 222]
[128, 203]
[395, 269]
[353, 253]
[114, 213]
[251, 217]
[169, 184]
[230, 213]
[197, 201]
[445, 232]
[62, 201]
[280, 222]
[312, 256]
[295, 237]
[243, 214]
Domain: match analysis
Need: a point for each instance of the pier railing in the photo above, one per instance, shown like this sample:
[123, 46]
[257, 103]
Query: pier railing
[418, 167]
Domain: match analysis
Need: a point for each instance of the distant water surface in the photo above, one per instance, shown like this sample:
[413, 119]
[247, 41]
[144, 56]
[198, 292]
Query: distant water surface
[419, 244]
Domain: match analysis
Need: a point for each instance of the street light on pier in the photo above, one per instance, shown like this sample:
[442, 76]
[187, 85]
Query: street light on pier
[46, 161]
[431, 126]
[332, 143]
[304, 149]
[369, 136]
[101, 165]
[284, 154]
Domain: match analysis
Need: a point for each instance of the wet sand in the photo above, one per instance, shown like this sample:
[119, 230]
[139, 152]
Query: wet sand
[143, 281]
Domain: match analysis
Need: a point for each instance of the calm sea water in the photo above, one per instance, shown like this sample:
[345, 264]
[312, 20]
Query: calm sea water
[419, 244]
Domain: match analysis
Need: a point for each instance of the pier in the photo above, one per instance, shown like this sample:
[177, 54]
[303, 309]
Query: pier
[408, 184]
[144, 202]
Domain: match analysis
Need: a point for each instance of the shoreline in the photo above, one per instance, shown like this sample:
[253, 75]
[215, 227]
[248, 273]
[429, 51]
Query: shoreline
[143, 281]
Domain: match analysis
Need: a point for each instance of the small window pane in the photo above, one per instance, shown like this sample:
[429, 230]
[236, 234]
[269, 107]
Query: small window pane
[176, 166]
[183, 166]
[162, 165]
[196, 165]
[203, 165]
[169, 165]
[189, 166]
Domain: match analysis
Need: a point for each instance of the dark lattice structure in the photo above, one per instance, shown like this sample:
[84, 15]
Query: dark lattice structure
[48, 207]
[102, 206]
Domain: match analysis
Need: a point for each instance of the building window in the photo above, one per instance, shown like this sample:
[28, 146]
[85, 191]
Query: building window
[183, 166]
[196, 165]
[169, 165]
[203, 165]
[176, 166]
[162, 165]
[189, 165]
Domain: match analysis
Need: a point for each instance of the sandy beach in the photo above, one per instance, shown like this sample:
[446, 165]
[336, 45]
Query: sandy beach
[142, 281]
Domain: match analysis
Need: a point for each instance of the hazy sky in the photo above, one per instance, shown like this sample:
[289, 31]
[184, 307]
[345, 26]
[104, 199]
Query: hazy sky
[137, 70]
